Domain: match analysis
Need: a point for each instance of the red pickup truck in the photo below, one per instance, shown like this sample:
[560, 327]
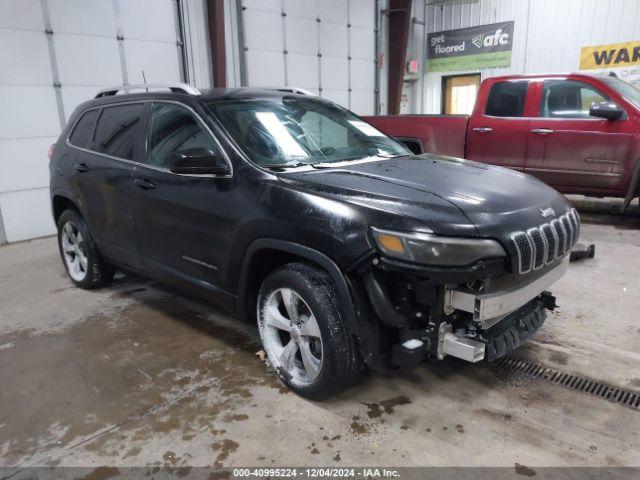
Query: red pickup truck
[578, 133]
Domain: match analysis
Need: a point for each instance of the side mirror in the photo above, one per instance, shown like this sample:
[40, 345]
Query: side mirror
[198, 161]
[608, 110]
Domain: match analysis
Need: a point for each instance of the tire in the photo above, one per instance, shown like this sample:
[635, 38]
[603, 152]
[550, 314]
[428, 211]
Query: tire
[315, 361]
[79, 253]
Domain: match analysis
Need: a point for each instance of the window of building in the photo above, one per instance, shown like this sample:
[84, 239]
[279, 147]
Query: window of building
[568, 99]
[506, 99]
[116, 130]
[460, 94]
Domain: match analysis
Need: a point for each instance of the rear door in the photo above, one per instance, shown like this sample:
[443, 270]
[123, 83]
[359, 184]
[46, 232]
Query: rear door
[182, 220]
[100, 177]
[568, 148]
[499, 127]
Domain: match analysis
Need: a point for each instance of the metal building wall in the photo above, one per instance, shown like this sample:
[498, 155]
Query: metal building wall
[55, 54]
[324, 46]
[548, 34]
[414, 86]
[196, 43]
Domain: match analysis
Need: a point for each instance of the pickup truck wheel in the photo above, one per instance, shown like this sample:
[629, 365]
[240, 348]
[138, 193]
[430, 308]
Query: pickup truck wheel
[302, 331]
[79, 253]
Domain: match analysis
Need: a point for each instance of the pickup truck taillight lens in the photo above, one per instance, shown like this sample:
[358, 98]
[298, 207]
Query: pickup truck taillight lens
[51, 148]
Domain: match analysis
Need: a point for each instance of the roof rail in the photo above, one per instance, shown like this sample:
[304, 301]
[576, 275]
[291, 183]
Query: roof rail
[300, 91]
[174, 87]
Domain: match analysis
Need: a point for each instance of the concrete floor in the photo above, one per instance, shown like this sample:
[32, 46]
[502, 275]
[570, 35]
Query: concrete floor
[134, 375]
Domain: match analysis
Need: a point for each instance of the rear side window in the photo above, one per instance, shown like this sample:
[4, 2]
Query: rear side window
[174, 128]
[506, 99]
[82, 134]
[116, 130]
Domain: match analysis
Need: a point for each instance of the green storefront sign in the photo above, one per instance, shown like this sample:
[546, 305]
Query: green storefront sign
[470, 48]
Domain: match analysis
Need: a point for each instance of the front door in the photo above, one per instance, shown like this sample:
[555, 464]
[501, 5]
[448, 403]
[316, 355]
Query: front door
[101, 174]
[182, 220]
[498, 135]
[568, 148]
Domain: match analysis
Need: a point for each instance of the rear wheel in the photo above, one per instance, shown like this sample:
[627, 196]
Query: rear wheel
[302, 331]
[80, 254]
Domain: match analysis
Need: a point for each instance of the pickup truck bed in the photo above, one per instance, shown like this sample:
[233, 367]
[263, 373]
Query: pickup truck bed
[443, 134]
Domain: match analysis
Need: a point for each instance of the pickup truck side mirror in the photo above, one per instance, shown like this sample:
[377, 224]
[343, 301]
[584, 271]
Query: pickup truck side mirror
[608, 110]
[198, 161]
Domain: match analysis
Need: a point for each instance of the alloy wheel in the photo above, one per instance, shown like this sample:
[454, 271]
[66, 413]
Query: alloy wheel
[73, 249]
[291, 336]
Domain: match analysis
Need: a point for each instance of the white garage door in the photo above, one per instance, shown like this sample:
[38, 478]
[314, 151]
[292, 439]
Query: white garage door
[55, 54]
[324, 46]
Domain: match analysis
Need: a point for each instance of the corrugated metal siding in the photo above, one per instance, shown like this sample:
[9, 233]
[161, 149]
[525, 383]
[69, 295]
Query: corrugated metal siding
[548, 33]
[81, 54]
[324, 46]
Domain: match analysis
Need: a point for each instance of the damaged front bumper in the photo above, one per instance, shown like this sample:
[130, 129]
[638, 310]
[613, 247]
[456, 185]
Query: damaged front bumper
[503, 317]
[488, 307]
[505, 336]
[481, 314]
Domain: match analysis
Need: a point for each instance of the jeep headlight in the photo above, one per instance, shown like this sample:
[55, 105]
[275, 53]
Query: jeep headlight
[431, 249]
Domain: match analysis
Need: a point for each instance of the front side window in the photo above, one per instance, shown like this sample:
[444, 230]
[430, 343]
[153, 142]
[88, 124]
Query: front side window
[292, 130]
[116, 130]
[568, 99]
[174, 128]
[82, 134]
[506, 99]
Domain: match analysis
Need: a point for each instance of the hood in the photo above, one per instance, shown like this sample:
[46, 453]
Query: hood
[448, 195]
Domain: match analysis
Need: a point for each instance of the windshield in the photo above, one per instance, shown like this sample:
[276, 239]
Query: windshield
[290, 131]
[630, 93]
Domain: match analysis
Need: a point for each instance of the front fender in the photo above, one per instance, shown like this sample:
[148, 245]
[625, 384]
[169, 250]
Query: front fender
[314, 256]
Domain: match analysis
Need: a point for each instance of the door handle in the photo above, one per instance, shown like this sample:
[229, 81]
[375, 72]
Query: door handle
[81, 167]
[143, 183]
[483, 129]
[542, 131]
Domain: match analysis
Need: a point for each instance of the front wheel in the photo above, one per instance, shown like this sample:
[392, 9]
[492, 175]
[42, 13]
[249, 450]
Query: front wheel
[303, 334]
[80, 254]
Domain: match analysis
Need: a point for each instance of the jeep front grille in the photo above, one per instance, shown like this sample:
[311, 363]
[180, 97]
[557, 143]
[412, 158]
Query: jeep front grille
[541, 245]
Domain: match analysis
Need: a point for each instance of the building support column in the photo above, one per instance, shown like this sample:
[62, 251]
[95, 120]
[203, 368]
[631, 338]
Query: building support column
[53, 62]
[215, 19]
[178, 16]
[399, 13]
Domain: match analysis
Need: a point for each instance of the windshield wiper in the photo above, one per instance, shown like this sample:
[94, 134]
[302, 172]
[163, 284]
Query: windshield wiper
[340, 160]
[393, 156]
[353, 159]
[283, 165]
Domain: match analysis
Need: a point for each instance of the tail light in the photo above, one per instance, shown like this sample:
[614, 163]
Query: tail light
[51, 148]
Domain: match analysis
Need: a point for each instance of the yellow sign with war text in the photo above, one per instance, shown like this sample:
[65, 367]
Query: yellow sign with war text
[614, 55]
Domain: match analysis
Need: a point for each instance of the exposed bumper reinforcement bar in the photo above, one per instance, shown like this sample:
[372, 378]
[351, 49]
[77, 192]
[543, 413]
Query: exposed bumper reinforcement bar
[512, 331]
[490, 305]
[458, 346]
[464, 348]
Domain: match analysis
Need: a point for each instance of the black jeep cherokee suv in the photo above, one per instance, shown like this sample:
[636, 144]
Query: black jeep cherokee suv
[288, 210]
